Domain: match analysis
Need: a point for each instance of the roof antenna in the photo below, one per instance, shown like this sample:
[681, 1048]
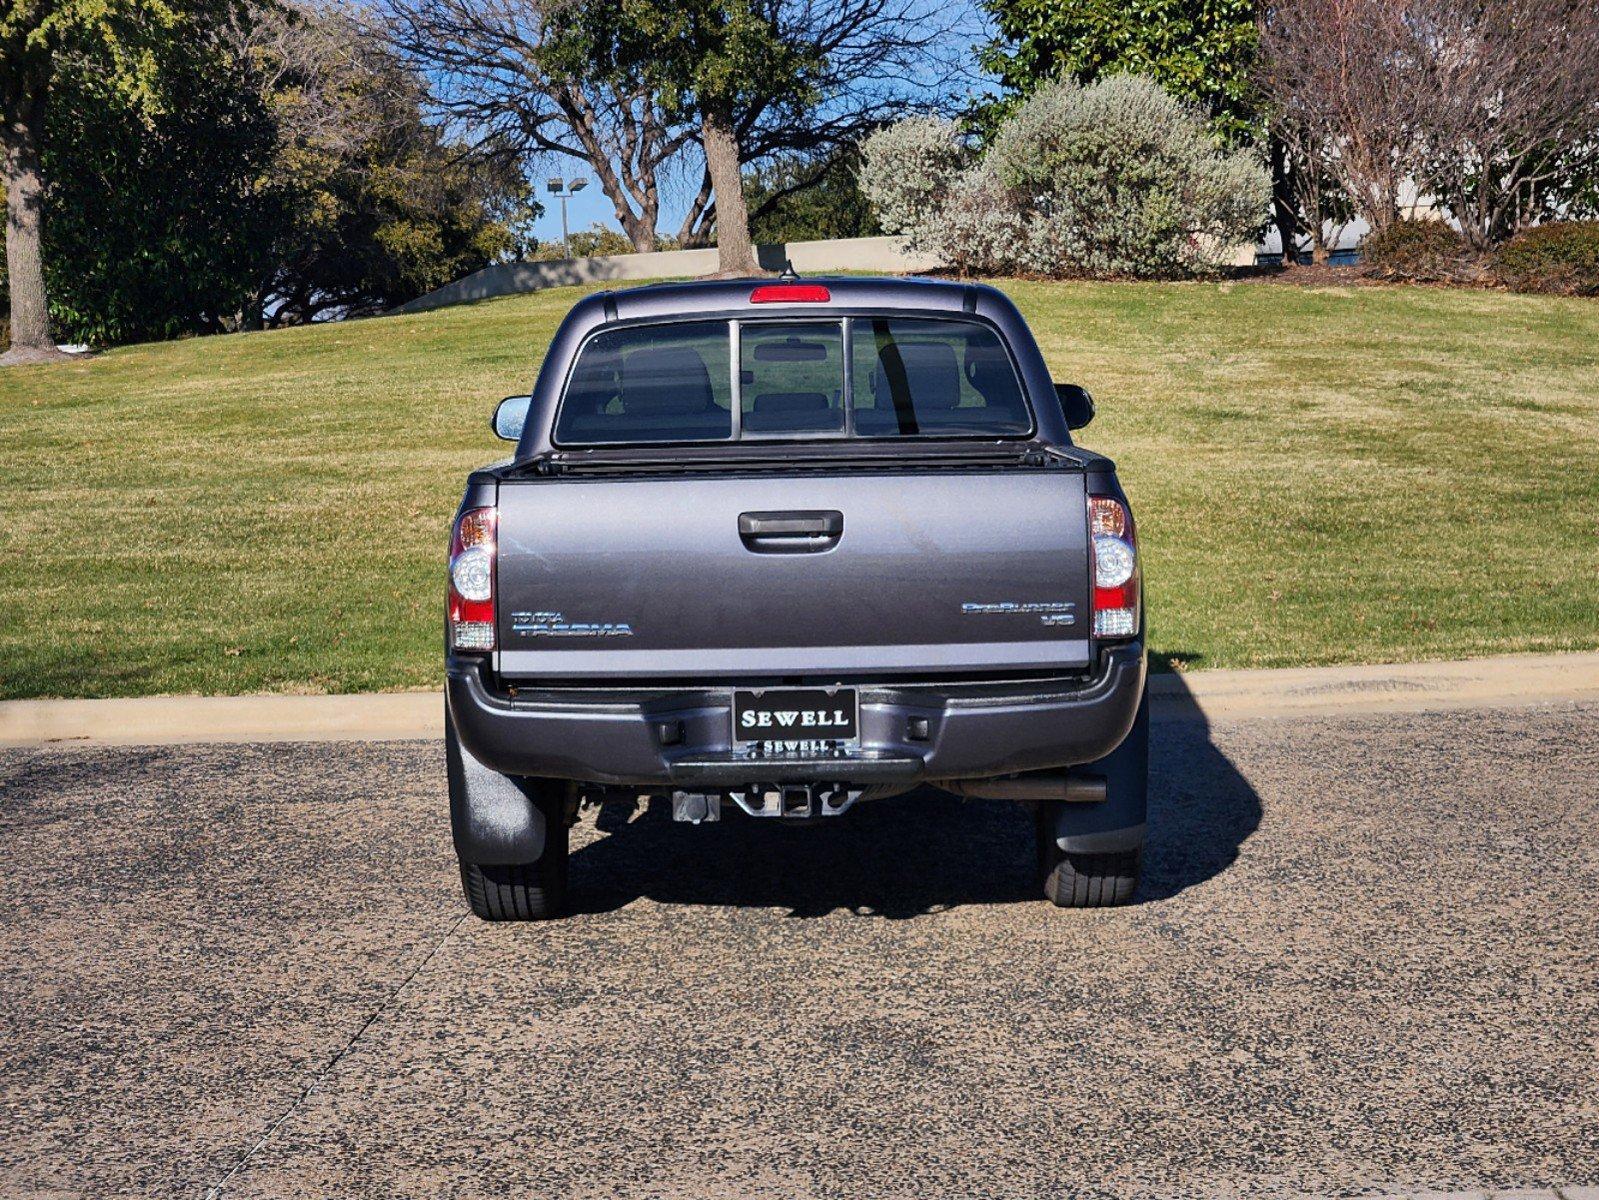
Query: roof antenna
[789, 275]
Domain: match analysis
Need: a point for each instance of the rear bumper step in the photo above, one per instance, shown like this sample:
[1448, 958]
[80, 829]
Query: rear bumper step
[907, 736]
[733, 771]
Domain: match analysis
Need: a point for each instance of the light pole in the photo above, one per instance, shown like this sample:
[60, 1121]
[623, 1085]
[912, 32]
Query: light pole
[573, 187]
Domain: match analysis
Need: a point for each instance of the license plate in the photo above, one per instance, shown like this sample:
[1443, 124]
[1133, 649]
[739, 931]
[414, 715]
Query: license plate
[796, 715]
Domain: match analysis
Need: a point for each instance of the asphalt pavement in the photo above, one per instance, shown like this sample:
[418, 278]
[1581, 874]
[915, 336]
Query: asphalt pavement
[1365, 960]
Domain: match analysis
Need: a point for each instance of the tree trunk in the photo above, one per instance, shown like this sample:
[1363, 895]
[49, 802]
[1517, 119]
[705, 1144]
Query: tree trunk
[643, 241]
[1285, 212]
[252, 319]
[735, 255]
[622, 187]
[24, 183]
[638, 227]
[640, 230]
[692, 234]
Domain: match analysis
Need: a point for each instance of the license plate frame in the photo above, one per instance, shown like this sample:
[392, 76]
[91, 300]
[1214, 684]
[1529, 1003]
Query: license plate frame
[834, 713]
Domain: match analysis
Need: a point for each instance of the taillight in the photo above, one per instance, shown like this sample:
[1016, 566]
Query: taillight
[1113, 555]
[472, 548]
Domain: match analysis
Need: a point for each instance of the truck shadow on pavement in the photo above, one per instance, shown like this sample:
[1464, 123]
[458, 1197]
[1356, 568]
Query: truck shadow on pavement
[919, 853]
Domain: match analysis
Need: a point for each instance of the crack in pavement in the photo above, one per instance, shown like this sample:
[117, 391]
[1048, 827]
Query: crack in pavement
[327, 1068]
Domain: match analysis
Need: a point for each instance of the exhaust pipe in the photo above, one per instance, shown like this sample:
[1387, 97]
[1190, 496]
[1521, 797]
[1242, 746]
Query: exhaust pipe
[1073, 789]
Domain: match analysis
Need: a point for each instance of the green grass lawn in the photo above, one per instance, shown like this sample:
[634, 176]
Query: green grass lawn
[1320, 475]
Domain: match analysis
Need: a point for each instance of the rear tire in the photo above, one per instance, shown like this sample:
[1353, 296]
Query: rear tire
[1084, 880]
[533, 891]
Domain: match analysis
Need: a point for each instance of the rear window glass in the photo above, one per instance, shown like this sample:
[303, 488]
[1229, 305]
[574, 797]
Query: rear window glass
[791, 377]
[650, 383]
[916, 377]
[813, 378]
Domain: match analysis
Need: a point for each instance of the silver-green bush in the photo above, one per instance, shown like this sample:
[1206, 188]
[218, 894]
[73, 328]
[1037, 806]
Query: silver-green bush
[907, 172]
[978, 230]
[1117, 179]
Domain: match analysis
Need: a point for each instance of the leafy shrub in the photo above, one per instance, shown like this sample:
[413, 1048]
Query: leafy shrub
[153, 225]
[908, 171]
[597, 240]
[1418, 252]
[1560, 257]
[977, 230]
[1115, 179]
[1120, 178]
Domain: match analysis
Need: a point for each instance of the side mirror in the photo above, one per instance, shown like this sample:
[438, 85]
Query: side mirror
[1076, 403]
[511, 416]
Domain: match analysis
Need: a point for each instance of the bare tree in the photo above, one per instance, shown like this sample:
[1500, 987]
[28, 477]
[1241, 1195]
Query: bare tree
[868, 63]
[1504, 90]
[627, 88]
[1340, 74]
[1481, 101]
[526, 78]
[1307, 198]
[317, 68]
[1322, 206]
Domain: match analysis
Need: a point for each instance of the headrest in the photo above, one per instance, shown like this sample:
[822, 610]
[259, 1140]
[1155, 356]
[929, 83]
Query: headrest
[782, 403]
[792, 412]
[671, 379]
[989, 370]
[932, 375]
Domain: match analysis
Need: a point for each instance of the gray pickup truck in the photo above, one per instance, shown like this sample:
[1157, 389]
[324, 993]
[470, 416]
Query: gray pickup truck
[783, 546]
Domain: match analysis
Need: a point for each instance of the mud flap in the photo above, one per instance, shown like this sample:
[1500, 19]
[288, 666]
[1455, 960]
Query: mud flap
[1116, 824]
[494, 819]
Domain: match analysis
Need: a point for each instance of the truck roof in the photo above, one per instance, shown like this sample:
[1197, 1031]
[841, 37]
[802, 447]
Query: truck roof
[846, 291]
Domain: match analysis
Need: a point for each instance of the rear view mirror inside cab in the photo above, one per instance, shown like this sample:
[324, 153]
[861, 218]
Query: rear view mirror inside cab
[1076, 403]
[511, 416]
[791, 350]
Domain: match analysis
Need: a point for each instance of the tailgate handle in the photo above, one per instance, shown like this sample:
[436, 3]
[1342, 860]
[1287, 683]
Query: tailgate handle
[828, 523]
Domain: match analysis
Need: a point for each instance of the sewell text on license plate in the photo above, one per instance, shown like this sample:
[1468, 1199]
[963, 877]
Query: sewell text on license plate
[796, 714]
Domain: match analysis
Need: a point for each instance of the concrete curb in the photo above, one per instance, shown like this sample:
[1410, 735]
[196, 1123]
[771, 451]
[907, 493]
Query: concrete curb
[1210, 695]
[1504, 682]
[172, 720]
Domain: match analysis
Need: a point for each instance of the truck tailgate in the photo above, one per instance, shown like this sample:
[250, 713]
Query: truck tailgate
[843, 575]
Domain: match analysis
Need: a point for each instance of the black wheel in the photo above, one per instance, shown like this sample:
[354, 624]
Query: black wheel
[532, 891]
[1083, 880]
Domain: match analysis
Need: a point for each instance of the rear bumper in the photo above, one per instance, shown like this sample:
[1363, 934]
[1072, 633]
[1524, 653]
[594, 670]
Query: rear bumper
[684, 739]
